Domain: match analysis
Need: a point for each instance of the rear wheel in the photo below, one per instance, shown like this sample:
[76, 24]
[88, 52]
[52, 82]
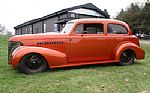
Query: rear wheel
[32, 63]
[127, 58]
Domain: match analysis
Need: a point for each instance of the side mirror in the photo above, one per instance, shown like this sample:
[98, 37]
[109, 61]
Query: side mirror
[84, 32]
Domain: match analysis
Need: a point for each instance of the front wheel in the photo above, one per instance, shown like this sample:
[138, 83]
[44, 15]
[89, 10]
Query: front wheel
[32, 63]
[127, 58]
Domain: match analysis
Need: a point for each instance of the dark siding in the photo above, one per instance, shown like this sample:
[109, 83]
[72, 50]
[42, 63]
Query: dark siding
[24, 30]
[29, 29]
[50, 27]
[63, 16]
[47, 27]
[61, 26]
[18, 31]
[37, 28]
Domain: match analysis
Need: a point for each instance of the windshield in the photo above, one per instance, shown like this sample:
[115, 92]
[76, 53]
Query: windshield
[67, 27]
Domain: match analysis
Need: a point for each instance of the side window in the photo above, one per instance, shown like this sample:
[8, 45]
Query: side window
[116, 29]
[79, 29]
[89, 29]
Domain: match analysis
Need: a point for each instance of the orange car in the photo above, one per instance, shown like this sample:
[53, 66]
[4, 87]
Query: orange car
[81, 42]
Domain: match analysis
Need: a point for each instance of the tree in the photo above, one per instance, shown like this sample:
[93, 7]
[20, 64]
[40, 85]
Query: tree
[1, 28]
[8, 33]
[120, 16]
[137, 18]
[131, 16]
[145, 18]
[4, 31]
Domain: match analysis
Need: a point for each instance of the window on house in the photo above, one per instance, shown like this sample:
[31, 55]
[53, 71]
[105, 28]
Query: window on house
[89, 29]
[45, 28]
[116, 29]
[36, 29]
[21, 32]
[56, 27]
[73, 15]
[26, 32]
[30, 30]
[17, 32]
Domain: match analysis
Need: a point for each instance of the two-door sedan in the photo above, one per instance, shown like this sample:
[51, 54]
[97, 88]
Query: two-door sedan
[81, 42]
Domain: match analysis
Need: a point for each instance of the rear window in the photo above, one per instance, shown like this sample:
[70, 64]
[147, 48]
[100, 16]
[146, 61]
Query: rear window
[116, 29]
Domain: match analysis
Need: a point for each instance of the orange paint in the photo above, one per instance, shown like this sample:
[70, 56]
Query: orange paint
[71, 49]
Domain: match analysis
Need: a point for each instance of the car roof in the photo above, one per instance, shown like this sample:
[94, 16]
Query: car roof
[97, 20]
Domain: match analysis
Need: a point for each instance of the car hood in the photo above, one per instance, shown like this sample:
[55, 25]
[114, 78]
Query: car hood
[37, 36]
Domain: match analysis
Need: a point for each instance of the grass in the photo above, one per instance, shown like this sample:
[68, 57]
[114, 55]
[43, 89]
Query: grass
[104, 78]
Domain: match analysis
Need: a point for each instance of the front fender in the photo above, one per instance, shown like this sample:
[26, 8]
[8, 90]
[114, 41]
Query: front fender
[53, 57]
[139, 52]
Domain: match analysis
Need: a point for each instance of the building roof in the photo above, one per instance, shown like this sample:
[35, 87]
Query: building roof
[86, 6]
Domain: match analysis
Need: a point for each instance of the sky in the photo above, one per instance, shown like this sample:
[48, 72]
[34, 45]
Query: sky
[15, 12]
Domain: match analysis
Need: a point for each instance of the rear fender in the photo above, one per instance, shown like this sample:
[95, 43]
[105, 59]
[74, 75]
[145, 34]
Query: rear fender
[139, 52]
[53, 57]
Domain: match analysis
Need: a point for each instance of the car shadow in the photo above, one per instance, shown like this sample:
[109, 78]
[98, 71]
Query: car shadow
[93, 66]
[104, 65]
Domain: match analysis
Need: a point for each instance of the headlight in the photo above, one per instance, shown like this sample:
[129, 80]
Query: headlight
[12, 46]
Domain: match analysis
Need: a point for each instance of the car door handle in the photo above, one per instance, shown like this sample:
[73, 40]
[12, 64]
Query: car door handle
[70, 39]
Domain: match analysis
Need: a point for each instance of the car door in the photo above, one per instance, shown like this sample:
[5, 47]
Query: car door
[116, 34]
[88, 43]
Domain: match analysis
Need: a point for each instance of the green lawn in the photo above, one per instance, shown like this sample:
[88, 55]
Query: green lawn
[107, 78]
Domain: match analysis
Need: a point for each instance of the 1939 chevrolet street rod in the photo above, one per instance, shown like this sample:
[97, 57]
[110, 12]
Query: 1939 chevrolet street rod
[81, 42]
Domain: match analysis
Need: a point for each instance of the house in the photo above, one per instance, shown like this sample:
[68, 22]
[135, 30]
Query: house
[56, 21]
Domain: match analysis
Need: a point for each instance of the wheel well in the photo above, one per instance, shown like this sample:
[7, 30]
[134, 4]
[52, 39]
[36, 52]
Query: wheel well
[36, 54]
[132, 51]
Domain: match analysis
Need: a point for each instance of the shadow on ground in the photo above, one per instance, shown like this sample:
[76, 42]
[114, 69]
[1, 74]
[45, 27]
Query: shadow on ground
[83, 67]
[104, 65]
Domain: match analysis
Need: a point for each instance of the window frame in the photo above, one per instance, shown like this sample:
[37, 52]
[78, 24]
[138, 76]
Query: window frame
[87, 33]
[116, 33]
